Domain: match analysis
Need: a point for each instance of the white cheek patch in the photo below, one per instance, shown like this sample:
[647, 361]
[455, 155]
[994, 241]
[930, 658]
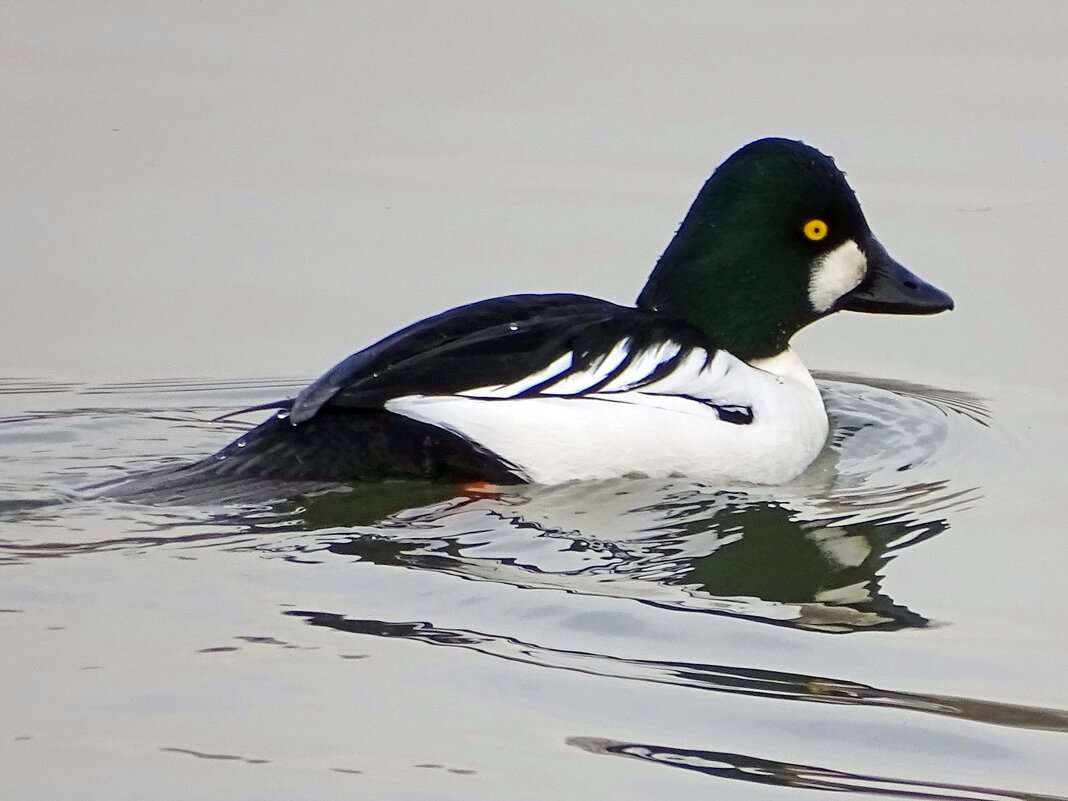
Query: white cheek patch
[837, 273]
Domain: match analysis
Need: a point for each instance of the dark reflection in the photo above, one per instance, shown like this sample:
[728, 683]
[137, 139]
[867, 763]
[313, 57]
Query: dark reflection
[691, 549]
[824, 570]
[751, 682]
[741, 767]
[224, 757]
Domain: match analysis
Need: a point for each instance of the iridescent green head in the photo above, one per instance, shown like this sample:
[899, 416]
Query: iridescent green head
[774, 241]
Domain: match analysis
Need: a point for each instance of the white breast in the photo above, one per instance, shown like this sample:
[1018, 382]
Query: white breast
[629, 426]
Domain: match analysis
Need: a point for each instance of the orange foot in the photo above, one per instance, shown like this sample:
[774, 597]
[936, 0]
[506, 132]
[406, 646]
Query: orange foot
[481, 489]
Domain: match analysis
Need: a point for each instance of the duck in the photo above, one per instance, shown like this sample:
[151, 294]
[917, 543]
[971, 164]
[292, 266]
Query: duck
[697, 379]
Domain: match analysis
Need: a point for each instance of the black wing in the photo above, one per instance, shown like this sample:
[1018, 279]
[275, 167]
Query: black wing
[492, 342]
[345, 434]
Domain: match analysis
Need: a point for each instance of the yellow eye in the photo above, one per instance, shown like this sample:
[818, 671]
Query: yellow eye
[815, 230]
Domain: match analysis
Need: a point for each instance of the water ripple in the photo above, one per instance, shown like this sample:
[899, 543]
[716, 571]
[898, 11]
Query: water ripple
[734, 680]
[745, 768]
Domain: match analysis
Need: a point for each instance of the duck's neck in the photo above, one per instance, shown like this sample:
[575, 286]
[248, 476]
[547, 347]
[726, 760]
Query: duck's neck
[745, 305]
[746, 289]
[787, 364]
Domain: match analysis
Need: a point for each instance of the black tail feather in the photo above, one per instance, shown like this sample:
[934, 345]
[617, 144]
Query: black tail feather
[284, 405]
[337, 446]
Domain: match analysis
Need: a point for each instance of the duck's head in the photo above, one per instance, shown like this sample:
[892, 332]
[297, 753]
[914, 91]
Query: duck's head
[774, 241]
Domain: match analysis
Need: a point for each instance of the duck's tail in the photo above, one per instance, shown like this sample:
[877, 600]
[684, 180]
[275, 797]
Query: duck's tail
[337, 446]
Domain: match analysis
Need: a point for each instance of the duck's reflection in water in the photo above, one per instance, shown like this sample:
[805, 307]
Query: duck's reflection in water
[728, 765]
[674, 545]
[808, 555]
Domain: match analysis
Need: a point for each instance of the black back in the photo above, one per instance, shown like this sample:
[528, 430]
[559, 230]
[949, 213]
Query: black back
[487, 343]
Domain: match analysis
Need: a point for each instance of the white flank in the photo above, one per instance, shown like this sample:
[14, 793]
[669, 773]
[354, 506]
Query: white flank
[837, 273]
[660, 429]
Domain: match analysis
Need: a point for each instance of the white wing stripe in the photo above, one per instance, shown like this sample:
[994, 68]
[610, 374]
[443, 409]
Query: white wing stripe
[557, 366]
[598, 371]
[695, 375]
[642, 366]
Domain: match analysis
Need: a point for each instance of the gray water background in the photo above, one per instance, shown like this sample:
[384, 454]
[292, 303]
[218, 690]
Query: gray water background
[205, 204]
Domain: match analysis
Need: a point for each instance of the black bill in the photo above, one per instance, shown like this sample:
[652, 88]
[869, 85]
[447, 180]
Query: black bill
[889, 288]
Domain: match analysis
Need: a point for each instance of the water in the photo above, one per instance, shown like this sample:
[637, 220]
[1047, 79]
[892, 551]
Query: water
[454, 644]
[187, 193]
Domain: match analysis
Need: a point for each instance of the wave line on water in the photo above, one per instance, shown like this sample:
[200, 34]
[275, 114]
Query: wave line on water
[744, 681]
[742, 767]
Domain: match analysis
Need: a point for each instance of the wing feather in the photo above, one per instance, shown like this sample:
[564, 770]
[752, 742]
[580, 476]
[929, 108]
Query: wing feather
[523, 346]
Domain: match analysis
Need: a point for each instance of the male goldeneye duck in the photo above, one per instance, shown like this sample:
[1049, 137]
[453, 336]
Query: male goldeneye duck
[697, 379]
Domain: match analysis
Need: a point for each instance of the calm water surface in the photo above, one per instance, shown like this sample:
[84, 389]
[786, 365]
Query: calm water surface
[878, 627]
[230, 189]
